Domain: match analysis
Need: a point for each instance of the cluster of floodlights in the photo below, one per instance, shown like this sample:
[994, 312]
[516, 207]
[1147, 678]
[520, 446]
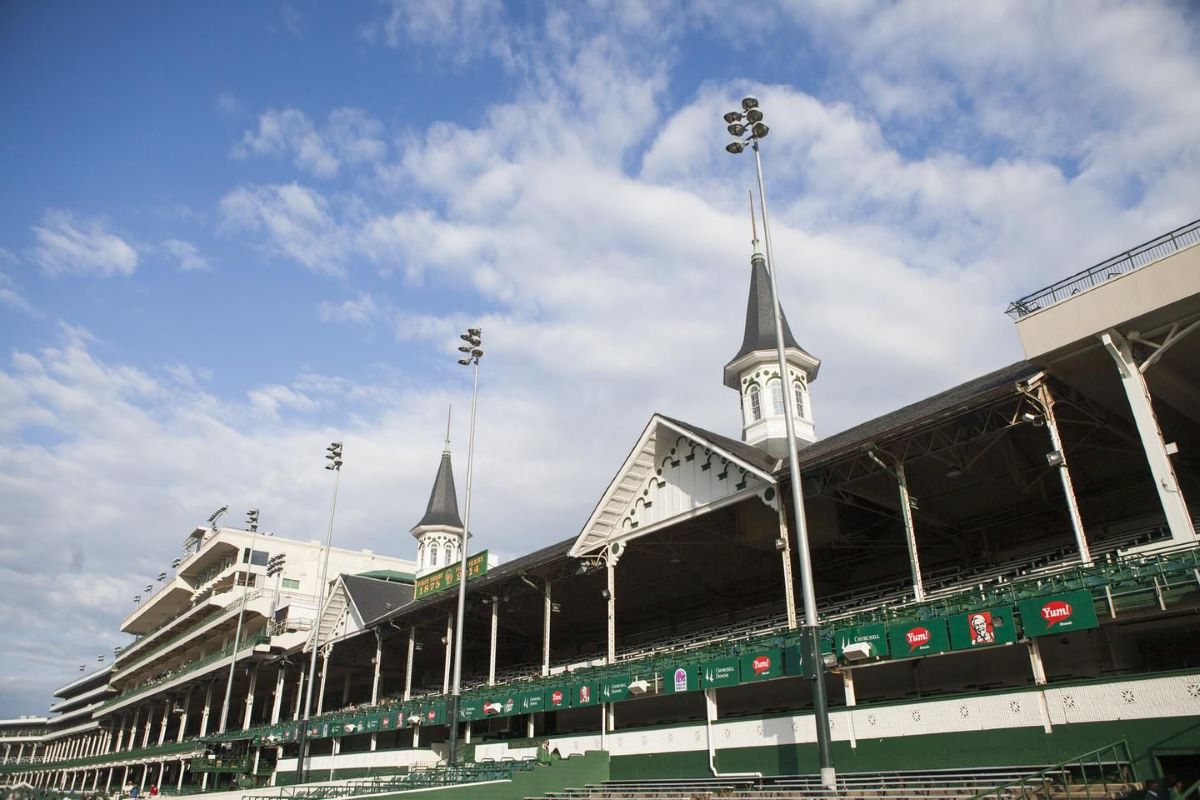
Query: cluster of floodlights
[334, 456]
[746, 125]
[472, 351]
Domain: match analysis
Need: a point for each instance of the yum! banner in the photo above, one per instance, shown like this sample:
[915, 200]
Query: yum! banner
[1059, 613]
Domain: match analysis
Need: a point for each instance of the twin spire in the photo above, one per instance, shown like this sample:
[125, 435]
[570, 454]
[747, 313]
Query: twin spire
[439, 533]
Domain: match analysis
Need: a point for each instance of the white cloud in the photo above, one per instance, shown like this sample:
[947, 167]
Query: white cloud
[186, 254]
[10, 296]
[295, 221]
[454, 30]
[70, 246]
[349, 136]
[361, 309]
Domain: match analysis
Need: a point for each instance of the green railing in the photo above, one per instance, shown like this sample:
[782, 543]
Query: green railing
[1097, 773]
[416, 778]
[181, 670]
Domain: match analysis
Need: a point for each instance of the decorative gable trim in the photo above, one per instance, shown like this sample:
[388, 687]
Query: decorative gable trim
[671, 474]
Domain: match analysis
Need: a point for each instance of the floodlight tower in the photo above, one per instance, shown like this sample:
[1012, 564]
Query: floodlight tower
[747, 128]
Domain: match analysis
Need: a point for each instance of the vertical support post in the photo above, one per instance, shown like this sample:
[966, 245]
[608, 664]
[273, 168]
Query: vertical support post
[1064, 473]
[495, 637]
[300, 678]
[375, 679]
[162, 727]
[408, 666]
[711, 712]
[1165, 481]
[546, 609]
[277, 698]
[910, 534]
[250, 700]
[446, 669]
[1035, 663]
[179, 784]
[137, 712]
[183, 717]
[206, 710]
[327, 651]
[610, 570]
[785, 554]
[851, 702]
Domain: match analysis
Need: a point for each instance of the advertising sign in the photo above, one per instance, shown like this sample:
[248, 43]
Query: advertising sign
[793, 660]
[558, 697]
[874, 635]
[584, 694]
[1069, 611]
[681, 678]
[918, 637]
[983, 627]
[614, 689]
[532, 702]
[721, 672]
[445, 578]
[762, 665]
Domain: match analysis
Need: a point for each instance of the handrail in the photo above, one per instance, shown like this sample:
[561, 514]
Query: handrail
[1128, 772]
[1114, 267]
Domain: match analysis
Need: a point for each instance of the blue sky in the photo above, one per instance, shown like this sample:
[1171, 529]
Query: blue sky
[231, 232]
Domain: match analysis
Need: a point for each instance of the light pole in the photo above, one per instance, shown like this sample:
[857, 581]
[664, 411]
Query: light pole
[472, 352]
[747, 127]
[333, 455]
[252, 524]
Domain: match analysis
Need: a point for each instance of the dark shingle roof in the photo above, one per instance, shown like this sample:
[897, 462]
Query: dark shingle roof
[746, 452]
[374, 597]
[944, 404]
[443, 502]
[760, 320]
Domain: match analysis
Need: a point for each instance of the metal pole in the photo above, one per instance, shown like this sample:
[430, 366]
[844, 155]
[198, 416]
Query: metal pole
[237, 636]
[811, 629]
[312, 663]
[455, 689]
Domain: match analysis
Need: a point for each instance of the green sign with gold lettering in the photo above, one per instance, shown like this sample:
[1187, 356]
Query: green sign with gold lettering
[445, 578]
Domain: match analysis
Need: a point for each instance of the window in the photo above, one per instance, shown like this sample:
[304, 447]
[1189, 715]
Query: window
[433, 556]
[799, 392]
[258, 558]
[755, 405]
[291, 583]
[776, 398]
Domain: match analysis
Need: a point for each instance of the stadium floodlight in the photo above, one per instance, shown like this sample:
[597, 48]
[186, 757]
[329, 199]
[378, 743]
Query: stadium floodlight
[1055, 458]
[162, 576]
[857, 651]
[149, 587]
[474, 352]
[252, 520]
[333, 454]
[216, 515]
[175, 564]
[812, 647]
[82, 668]
[639, 686]
[605, 594]
[414, 719]
[780, 543]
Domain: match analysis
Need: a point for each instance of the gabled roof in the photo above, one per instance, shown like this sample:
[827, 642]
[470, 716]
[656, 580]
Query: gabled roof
[760, 318]
[443, 502]
[373, 597]
[625, 505]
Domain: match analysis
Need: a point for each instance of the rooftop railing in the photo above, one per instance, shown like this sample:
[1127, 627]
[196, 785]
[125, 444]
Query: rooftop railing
[1114, 267]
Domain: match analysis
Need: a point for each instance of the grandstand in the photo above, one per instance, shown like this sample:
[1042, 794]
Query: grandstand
[1007, 577]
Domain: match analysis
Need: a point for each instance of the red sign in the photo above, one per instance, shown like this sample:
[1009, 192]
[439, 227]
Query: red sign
[761, 664]
[431, 715]
[556, 698]
[1056, 611]
[916, 637]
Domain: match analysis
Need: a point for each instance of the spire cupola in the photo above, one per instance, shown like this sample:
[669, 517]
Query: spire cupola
[439, 533]
[754, 371]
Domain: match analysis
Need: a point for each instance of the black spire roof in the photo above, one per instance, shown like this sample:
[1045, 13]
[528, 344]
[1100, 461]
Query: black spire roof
[443, 502]
[760, 321]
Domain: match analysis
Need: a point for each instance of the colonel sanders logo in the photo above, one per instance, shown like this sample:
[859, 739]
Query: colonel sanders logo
[982, 629]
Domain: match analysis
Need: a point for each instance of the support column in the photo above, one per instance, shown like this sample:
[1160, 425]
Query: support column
[120, 734]
[610, 569]
[785, 553]
[299, 694]
[326, 652]
[183, 717]
[1159, 457]
[277, 700]
[346, 690]
[204, 714]
[146, 727]
[162, 728]
[546, 609]
[446, 670]
[162, 768]
[137, 712]
[145, 774]
[710, 716]
[910, 535]
[495, 636]
[1035, 663]
[851, 702]
[1046, 399]
[250, 700]
[108, 780]
[179, 784]
[408, 668]
[375, 680]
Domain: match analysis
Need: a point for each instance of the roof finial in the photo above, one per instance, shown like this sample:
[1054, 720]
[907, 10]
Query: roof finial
[449, 408]
[753, 222]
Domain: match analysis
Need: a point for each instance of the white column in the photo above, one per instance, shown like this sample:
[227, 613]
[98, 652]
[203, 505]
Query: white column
[610, 570]
[204, 714]
[326, 652]
[183, 717]
[299, 694]
[495, 636]
[1138, 393]
[851, 702]
[375, 680]
[179, 783]
[1035, 663]
[449, 643]
[162, 768]
[162, 728]
[547, 608]
[250, 699]
[408, 668]
[785, 553]
[120, 734]
[277, 700]
[1064, 474]
[910, 535]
